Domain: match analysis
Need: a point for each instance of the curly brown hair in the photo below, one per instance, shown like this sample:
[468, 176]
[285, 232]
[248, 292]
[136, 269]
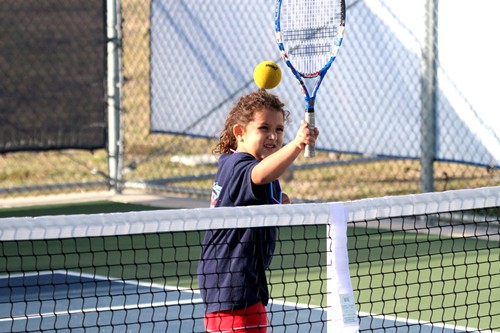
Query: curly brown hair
[243, 113]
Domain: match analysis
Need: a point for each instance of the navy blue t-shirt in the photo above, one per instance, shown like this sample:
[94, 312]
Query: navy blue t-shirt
[231, 271]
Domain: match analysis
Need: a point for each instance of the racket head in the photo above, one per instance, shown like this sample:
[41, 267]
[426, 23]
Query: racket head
[309, 34]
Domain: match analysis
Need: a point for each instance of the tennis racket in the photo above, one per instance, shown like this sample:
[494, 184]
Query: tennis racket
[309, 34]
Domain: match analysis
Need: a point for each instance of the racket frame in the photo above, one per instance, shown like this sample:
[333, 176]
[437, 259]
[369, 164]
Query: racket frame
[309, 97]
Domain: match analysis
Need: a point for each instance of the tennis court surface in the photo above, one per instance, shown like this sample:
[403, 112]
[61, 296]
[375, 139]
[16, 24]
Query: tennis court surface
[62, 300]
[77, 302]
[422, 263]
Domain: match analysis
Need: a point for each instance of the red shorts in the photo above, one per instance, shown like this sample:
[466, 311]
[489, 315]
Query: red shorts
[252, 320]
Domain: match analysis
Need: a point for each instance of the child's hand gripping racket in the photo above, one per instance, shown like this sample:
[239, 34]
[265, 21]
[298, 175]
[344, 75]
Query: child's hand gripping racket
[309, 35]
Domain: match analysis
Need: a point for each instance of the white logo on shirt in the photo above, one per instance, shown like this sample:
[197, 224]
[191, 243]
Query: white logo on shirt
[215, 194]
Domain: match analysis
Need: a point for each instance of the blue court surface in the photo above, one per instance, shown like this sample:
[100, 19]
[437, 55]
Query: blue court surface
[63, 301]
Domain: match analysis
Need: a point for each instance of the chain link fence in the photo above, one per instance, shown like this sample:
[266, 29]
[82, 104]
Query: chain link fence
[157, 162]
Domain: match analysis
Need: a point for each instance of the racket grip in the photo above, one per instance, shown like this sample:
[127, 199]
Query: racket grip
[309, 151]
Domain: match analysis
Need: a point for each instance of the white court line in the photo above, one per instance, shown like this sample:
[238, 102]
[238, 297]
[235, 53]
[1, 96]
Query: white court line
[100, 278]
[421, 322]
[91, 277]
[298, 305]
[101, 309]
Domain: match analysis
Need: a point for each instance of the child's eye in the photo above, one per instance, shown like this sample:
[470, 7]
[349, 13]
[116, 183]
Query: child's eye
[281, 130]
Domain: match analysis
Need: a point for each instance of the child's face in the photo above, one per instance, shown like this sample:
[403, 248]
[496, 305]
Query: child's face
[263, 135]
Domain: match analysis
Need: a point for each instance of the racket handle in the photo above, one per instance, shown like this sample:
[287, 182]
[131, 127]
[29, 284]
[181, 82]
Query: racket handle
[309, 151]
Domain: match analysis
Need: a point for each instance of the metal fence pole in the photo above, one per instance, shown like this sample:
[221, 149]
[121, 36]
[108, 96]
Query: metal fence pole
[113, 55]
[428, 96]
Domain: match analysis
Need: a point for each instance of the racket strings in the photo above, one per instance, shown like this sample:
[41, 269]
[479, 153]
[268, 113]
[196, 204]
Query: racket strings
[321, 33]
[309, 32]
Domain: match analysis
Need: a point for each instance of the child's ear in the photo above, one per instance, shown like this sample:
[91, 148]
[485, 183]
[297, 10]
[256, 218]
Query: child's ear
[238, 132]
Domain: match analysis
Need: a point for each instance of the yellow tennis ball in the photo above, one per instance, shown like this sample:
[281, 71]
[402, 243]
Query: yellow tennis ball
[267, 74]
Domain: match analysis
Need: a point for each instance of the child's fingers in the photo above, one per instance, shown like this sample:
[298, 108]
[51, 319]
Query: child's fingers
[285, 199]
[306, 125]
[305, 135]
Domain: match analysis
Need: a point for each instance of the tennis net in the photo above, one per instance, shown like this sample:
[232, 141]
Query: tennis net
[417, 263]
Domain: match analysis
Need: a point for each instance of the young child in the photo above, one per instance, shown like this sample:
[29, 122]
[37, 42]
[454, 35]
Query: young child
[231, 271]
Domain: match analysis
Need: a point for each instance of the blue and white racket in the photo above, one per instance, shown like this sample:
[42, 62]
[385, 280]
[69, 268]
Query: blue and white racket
[309, 34]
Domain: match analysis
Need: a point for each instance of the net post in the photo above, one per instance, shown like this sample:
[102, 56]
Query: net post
[114, 81]
[428, 97]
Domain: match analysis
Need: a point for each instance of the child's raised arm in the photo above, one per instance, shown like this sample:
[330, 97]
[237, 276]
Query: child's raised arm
[273, 166]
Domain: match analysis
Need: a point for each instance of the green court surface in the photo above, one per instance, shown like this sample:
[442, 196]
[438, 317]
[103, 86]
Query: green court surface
[93, 207]
[426, 277]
